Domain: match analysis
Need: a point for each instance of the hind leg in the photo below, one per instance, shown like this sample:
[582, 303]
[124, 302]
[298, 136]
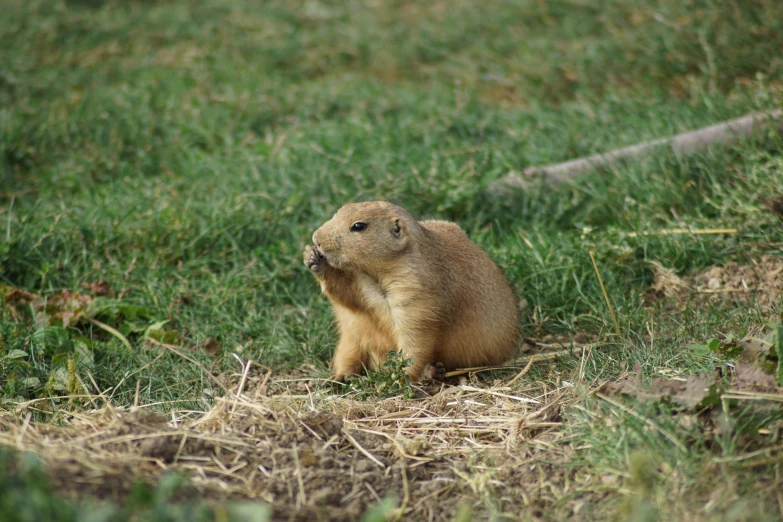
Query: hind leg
[419, 345]
[435, 372]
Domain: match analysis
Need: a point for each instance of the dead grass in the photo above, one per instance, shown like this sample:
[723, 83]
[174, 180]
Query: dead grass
[734, 285]
[311, 453]
[510, 448]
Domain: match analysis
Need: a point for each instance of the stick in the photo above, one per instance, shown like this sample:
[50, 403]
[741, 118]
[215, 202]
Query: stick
[724, 133]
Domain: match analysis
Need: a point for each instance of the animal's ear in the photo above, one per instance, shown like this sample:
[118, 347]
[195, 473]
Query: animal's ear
[397, 227]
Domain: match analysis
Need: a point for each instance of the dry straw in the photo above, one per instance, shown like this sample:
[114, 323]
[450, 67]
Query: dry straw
[298, 450]
[606, 296]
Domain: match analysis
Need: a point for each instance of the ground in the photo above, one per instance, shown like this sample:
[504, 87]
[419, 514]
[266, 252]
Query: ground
[163, 352]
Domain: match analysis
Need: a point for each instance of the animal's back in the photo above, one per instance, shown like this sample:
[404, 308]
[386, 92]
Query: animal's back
[481, 323]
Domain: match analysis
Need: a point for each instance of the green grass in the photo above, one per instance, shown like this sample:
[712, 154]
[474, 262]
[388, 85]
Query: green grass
[184, 152]
[28, 497]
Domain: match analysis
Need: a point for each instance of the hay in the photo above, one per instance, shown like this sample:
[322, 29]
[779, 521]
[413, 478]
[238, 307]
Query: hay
[666, 282]
[307, 452]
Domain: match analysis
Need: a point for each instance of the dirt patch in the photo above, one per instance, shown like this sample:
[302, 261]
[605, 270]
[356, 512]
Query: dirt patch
[775, 205]
[758, 283]
[314, 455]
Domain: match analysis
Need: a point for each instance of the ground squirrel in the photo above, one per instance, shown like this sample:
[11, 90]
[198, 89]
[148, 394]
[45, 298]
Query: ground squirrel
[422, 288]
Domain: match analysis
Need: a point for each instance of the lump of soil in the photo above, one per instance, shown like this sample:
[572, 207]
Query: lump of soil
[759, 282]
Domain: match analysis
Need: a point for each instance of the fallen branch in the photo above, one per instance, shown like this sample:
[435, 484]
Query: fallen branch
[687, 143]
[676, 231]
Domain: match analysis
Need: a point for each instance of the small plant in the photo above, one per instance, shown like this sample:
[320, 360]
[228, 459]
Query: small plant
[390, 380]
[763, 351]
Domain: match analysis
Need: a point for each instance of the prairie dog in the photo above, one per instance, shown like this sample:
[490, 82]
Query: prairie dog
[421, 288]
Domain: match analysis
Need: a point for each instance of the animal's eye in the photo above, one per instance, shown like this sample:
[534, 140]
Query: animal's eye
[358, 226]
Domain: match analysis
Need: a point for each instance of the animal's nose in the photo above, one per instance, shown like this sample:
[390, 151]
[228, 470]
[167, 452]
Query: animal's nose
[315, 240]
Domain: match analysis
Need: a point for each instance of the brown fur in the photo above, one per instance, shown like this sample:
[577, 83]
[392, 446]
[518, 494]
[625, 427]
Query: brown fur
[422, 288]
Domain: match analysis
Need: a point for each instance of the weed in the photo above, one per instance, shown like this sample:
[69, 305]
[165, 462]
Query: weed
[389, 380]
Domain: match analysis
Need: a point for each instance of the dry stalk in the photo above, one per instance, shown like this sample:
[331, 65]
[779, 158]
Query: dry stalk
[606, 296]
[521, 374]
[406, 493]
[299, 475]
[677, 231]
[361, 449]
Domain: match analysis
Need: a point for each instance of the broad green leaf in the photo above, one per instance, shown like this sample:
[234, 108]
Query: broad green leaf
[54, 340]
[31, 382]
[83, 354]
[16, 354]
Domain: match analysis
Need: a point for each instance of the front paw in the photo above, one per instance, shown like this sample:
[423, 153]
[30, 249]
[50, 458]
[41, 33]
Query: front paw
[314, 259]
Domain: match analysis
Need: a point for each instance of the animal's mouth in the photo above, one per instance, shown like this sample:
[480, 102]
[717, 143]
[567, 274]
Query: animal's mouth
[331, 258]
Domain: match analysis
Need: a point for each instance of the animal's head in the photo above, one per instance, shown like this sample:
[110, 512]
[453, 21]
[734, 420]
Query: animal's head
[366, 236]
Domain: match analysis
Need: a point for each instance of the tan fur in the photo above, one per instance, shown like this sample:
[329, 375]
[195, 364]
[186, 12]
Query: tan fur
[422, 288]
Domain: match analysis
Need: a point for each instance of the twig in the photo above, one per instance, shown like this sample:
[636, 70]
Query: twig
[19, 407]
[752, 396]
[441, 420]
[181, 447]
[372, 492]
[243, 380]
[101, 394]
[606, 296]
[746, 456]
[691, 142]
